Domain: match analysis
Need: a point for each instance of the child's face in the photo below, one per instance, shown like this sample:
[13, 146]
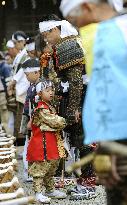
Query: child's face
[31, 54]
[33, 76]
[19, 44]
[47, 94]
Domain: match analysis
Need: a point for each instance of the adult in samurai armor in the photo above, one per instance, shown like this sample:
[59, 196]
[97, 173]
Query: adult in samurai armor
[105, 113]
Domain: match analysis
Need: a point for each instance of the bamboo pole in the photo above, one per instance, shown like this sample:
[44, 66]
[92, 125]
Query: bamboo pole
[109, 148]
[21, 201]
[83, 161]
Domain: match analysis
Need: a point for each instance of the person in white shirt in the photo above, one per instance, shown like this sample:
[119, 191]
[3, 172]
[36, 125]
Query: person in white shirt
[20, 81]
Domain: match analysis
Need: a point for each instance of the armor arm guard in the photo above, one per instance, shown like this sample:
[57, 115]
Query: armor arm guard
[75, 91]
[47, 120]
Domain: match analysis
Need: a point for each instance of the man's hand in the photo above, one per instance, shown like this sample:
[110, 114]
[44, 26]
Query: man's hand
[110, 178]
[29, 124]
[11, 88]
[77, 116]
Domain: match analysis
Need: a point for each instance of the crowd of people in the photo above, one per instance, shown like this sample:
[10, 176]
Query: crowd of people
[64, 91]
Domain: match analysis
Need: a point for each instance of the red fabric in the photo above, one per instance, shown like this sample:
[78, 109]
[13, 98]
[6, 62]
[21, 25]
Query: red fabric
[35, 150]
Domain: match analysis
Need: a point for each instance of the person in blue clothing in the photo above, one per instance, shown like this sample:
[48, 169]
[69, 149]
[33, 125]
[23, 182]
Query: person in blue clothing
[105, 107]
[5, 73]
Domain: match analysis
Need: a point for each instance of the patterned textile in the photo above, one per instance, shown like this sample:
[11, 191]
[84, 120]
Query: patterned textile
[69, 52]
[46, 117]
[89, 181]
[74, 76]
[42, 173]
[47, 67]
[46, 142]
[71, 100]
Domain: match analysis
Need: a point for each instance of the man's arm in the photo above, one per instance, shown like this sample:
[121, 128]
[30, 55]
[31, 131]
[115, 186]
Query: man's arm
[75, 92]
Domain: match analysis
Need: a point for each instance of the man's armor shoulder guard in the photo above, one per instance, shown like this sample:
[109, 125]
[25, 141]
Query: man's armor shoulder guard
[69, 52]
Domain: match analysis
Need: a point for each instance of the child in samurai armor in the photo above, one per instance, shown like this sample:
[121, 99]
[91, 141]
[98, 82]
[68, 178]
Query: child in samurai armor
[31, 69]
[45, 146]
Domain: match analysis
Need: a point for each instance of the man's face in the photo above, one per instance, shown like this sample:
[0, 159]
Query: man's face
[33, 76]
[12, 52]
[19, 44]
[52, 36]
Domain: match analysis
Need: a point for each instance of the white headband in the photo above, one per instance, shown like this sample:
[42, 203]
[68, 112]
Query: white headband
[68, 5]
[30, 46]
[48, 25]
[66, 28]
[117, 4]
[19, 38]
[32, 69]
[43, 85]
[10, 44]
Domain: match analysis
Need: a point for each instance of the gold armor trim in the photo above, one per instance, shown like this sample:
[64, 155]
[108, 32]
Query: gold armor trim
[60, 146]
[74, 62]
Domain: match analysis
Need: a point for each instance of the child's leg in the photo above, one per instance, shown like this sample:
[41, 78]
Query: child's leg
[44, 170]
[49, 182]
[37, 184]
[38, 171]
[48, 179]
[40, 196]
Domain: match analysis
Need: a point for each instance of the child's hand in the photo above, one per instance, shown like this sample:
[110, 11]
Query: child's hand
[29, 124]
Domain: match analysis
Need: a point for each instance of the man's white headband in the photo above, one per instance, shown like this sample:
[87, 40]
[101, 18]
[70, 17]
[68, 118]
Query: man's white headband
[68, 5]
[30, 46]
[19, 38]
[117, 4]
[48, 25]
[32, 69]
[66, 28]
